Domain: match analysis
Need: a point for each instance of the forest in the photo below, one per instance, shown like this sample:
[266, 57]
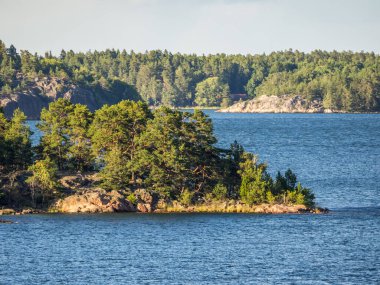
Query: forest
[347, 81]
[128, 146]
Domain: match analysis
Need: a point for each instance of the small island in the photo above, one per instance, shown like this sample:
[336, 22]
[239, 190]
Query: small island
[128, 158]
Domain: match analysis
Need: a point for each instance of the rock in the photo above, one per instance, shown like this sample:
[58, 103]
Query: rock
[144, 196]
[74, 181]
[144, 208]
[318, 210]
[39, 93]
[94, 202]
[7, 212]
[27, 211]
[146, 202]
[6, 222]
[276, 104]
[161, 204]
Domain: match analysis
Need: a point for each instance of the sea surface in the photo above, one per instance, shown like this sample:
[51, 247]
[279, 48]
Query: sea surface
[337, 155]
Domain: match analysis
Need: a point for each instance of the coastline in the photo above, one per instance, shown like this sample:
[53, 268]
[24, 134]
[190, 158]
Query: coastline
[228, 207]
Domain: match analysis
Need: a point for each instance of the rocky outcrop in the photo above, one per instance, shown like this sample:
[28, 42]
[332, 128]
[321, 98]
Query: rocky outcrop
[6, 222]
[233, 206]
[146, 202]
[277, 104]
[7, 212]
[39, 93]
[94, 202]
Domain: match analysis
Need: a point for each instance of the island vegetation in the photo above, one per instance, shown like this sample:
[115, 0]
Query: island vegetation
[342, 81]
[128, 149]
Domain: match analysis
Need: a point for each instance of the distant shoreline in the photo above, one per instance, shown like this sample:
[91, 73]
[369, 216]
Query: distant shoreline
[287, 104]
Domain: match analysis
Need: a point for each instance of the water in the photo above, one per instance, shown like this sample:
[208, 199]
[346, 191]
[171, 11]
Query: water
[338, 156]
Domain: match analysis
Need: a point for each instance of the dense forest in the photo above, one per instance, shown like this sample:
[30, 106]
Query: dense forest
[342, 80]
[169, 152]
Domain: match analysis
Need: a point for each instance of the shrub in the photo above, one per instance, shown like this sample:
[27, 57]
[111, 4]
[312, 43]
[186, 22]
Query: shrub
[186, 198]
[271, 198]
[220, 191]
[132, 198]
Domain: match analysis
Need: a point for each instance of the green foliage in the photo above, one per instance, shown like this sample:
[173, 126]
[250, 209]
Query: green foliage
[170, 152]
[211, 92]
[79, 151]
[43, 178]
[343, 80]
[115, 174]
[258, 187]
[302, 196]
[176, 152]
[54, 125]
[132, 198]
[15, 144]
[254, 180]
[114, 134]
[220, 192]
[271, 198]
[43, 175]
[65, 138]
[186, 198]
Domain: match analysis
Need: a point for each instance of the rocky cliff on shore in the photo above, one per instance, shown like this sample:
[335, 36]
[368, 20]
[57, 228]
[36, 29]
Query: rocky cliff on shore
[114, 201]
[83, 195]
[38, 93]
[277, 104]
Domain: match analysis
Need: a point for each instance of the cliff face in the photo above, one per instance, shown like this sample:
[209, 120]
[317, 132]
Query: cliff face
[40, 92]
[277, 104]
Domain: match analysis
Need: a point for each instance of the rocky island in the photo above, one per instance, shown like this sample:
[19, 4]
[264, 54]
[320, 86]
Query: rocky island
[128, 158]
[277, 104]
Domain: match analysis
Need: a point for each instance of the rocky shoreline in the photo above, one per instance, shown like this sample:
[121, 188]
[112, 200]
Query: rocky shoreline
[278, 104]
[38, 93]
[116, 202]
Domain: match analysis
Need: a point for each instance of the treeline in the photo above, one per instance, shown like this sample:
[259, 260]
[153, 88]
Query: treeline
[168, 152]
[343, 80]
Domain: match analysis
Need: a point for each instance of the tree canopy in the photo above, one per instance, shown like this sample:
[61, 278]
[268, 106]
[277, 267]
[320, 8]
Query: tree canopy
[345, 80]
[169, 152]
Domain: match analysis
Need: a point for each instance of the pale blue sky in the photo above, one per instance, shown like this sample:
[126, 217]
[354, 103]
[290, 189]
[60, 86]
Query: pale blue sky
[191, 26]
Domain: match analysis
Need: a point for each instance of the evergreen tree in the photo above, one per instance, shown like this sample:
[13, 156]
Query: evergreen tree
[79, 151]
[54, 124]
[17, 136]
[115, 130]
[255, 183]
[211, 92]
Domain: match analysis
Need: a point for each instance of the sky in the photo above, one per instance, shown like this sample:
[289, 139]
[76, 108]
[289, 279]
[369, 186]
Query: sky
[191, 26]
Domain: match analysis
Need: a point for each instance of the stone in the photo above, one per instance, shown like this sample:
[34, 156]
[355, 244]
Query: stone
[7, 212]
[6, 222]
[94, 202]
[277, 104]
[144, 208]
[27, 211]
[39, 93]
[144, 196]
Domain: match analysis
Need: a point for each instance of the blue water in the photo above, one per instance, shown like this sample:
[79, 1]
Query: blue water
[336, 155]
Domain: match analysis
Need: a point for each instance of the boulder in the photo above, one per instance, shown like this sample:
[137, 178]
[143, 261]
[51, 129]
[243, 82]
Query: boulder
[94, 202]
[276, 104]
[6, 222]
[144, 196]
[7, 212]
[74, 181]
[144, 208]
[146, 201]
